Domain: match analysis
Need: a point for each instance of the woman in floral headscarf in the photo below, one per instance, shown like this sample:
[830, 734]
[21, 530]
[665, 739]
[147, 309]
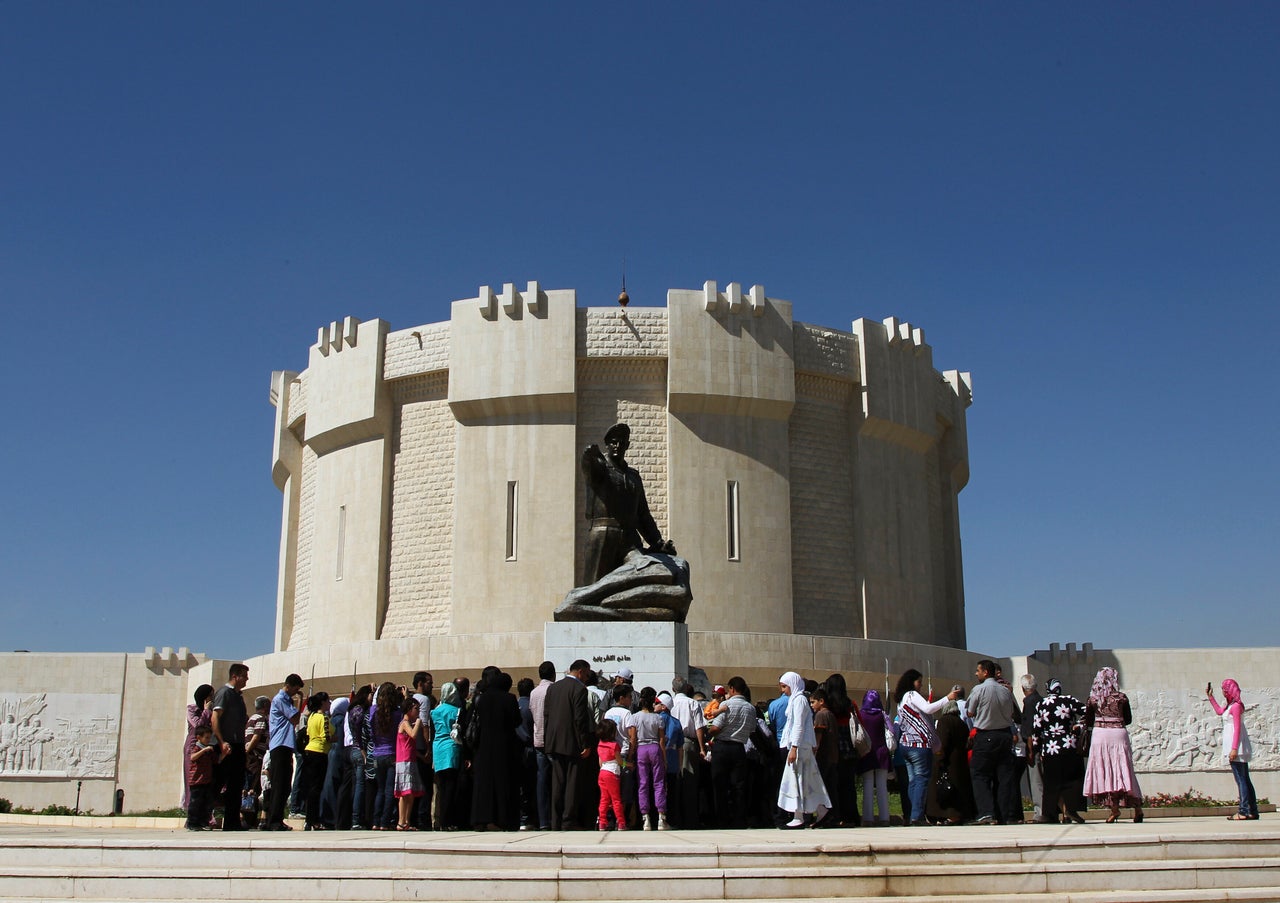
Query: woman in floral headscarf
[1236, 748]
[1109, 778]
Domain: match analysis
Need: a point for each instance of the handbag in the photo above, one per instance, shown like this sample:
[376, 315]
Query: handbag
[861, 742]
[890, 740]
[473, 732]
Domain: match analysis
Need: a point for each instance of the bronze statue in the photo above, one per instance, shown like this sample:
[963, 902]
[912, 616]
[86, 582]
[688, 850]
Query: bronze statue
[623, 578]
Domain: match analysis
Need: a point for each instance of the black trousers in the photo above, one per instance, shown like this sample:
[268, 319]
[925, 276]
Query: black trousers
[1060, 773]
[280, 771]
[729, 770]
[422, 805]
[314, 767]
[567, 792]
[231, 775]
[995, 771]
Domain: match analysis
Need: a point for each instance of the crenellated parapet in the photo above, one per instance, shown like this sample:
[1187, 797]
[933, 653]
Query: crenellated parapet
[730, 353]
[809, 473]
[899, 402]
[345, 369]
[520, 352]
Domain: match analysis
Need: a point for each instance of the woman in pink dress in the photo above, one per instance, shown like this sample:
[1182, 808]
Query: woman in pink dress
[1109, 779]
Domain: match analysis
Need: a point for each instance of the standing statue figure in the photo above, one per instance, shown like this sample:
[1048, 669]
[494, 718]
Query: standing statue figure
[616, 507]
[629, 573]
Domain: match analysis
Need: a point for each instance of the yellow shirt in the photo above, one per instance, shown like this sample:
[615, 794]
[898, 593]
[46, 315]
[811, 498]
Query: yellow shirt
[318, 732]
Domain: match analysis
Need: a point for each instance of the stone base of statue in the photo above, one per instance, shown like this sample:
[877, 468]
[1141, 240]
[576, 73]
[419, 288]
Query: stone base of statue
[655, 651]
[648, 586]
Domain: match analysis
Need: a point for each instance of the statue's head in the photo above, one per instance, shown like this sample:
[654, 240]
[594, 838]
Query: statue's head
[618, 440]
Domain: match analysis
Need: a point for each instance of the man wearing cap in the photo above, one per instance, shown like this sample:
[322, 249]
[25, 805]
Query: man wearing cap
[626, 676]
[616, 507]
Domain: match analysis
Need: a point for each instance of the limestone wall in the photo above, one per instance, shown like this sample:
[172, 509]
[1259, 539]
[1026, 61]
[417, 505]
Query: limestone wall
[824, 565]
[99, 720]
[420, 575]
[512, 394]
[1177, 739]
[808, 473]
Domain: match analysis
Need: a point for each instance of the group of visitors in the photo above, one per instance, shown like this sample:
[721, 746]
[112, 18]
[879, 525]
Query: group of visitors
[588, 752]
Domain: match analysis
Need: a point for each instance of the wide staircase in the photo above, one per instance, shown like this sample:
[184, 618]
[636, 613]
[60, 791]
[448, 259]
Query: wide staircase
[1183, 859]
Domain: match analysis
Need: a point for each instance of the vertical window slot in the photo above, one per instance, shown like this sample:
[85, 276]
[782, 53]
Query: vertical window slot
[342, 538]
[513, 517]
[732, 521]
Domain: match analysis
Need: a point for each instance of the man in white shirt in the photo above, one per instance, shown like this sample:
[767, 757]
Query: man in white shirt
[537, 706]
[686, 710]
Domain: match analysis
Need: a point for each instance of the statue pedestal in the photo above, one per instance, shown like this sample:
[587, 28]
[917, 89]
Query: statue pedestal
[656, 651]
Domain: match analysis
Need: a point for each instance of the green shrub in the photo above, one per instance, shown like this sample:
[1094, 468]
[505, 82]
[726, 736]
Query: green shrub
[55, 809]
[5, 806]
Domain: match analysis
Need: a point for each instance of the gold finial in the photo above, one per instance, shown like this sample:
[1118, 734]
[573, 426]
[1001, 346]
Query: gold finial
[623, 298]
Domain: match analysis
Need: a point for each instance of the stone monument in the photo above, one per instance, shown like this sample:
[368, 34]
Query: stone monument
[630, 575]
[624, 579]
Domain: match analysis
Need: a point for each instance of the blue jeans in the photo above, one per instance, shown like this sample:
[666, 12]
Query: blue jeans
[544, 790]
[919, 768]
[384, 802]
[1248, 799]
[357, 786]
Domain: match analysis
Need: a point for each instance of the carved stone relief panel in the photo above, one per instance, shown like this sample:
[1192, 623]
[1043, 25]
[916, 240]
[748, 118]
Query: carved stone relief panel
[1176, 730]
[52, 735]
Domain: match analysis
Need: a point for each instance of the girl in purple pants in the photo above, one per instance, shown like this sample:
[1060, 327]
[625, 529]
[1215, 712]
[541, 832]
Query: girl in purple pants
[651, 757]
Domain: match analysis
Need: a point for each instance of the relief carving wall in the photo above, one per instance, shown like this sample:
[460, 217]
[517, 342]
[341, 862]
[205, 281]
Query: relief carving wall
[1176, 730]
[59, 735]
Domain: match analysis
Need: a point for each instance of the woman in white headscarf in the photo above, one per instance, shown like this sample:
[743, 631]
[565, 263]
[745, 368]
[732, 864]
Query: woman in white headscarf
[802, 790]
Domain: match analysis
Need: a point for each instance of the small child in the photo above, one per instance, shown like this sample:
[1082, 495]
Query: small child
[200, 779]
[409, 784]
[610, 778]
[827, 752]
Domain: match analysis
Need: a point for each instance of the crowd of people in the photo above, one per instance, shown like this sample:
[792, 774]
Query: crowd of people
[587, 751]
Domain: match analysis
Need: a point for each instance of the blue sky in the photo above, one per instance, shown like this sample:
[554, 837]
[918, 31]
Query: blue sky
[1077, 202]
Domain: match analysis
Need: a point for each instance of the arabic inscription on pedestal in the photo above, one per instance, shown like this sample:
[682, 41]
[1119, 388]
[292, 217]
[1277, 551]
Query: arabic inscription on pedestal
[59, 735]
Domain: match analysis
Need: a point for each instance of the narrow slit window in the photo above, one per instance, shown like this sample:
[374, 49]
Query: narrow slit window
[342, 539]
[513, 517]
[732, 521]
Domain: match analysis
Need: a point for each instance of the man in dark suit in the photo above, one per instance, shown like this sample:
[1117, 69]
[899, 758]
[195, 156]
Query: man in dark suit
[569, 740]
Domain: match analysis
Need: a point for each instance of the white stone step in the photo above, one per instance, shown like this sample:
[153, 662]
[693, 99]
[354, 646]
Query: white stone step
[1103, 863]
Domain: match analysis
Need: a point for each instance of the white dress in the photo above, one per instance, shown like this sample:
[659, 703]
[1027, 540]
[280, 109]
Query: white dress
[801, 789]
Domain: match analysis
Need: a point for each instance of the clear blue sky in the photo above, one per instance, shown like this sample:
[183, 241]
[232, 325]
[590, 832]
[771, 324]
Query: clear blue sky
[1077, 202]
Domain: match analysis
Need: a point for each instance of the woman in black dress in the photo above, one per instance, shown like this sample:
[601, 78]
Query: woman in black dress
[956, 806]
[495, 797]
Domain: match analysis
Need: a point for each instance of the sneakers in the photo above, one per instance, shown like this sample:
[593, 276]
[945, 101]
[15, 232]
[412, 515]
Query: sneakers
[645, 823]
[662, 823]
